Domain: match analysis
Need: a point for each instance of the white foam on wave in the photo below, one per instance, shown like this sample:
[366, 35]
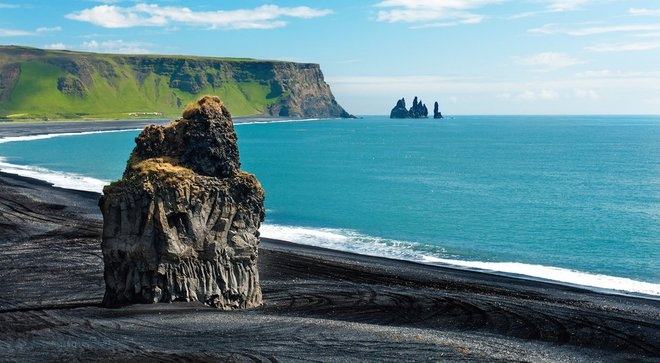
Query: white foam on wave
[351, 241]
[265, 122]
[72, 180]
[343, 240]
[57, 178]
[7, 139]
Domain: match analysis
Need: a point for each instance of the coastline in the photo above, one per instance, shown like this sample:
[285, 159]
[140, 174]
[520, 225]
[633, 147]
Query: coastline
[310, 236]
[317, 302]
[592, 281]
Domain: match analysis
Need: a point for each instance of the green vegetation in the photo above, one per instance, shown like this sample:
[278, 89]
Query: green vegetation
[54, 85]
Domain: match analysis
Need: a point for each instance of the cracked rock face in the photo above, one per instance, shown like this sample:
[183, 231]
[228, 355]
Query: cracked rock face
[182, 224]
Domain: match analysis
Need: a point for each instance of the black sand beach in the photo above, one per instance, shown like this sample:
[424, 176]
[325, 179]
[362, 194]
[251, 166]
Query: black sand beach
[320, 305]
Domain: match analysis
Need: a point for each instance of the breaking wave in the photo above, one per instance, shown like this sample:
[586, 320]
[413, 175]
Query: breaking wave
[351, 241]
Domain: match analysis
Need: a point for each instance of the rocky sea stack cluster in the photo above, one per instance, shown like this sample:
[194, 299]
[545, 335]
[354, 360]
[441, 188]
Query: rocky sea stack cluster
[182, 224]
[418, 110]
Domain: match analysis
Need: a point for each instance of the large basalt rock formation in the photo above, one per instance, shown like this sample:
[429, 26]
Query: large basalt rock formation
[182, 224]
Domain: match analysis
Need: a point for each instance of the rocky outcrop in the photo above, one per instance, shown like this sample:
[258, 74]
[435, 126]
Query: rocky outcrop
[71, 86]
[400, 110]
[9, 75]
[182, 224]
[418, 110]
[436, 111]
[304, 93]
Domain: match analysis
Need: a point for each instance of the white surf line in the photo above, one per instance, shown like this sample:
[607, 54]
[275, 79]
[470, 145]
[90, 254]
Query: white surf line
[7, 139]
[58, 179]
[557, 274]
[282, 121]
[352, 241]
[75, 181]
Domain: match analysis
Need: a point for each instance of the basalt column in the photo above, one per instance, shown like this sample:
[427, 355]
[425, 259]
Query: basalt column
[182, 224]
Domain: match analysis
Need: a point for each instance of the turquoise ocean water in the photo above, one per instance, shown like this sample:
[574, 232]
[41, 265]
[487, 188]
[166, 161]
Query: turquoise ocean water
[572, 199]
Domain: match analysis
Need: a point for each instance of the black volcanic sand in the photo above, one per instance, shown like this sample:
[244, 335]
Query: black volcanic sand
[320, 305]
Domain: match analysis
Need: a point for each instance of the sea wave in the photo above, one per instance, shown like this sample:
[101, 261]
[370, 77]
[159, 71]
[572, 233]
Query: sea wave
[238, 123]
[57, 178]
[352, 241]
[7, 139]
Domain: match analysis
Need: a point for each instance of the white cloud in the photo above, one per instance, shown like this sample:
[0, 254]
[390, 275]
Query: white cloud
[22, 33]
[548, 60]
[542, 95]
[105, 46]
[591, 92]
[115, 46]
[586, 94]
[59, 45]
[643, 12]
[566, 5]
[262, 17]
[9, 6]
[432, 13]
[624, 47]
[608, 74]
[14, 32]
[48, 30]
[593, 29]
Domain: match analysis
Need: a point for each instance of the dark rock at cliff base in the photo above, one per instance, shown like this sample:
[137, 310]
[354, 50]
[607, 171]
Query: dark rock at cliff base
[436, 111]
[182, 224]
[418, 110]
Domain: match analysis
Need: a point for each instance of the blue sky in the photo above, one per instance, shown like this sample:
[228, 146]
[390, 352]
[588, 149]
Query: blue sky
[474, 56]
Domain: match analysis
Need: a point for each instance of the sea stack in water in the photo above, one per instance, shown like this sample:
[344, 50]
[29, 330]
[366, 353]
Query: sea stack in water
[399, 110]
[436, 111]
[418, 110]
[182, 224]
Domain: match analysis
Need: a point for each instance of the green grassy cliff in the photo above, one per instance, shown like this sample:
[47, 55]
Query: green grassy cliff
[44, 84]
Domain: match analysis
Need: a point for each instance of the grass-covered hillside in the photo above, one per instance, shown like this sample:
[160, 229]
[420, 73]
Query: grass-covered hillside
[44, 84]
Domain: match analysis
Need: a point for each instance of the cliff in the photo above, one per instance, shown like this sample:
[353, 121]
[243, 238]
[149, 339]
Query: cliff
[182, 224]
[48, 84]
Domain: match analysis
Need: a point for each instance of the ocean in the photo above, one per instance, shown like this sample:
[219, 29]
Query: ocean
[574, 199]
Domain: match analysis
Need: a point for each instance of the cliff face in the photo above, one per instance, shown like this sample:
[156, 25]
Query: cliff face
[37, 83]
[182, 224]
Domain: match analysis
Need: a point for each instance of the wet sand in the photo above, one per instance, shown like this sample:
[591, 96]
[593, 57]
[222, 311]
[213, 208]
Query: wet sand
[320, 305]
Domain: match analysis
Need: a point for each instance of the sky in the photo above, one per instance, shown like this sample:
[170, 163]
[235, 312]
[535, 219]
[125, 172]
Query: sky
[473, 56]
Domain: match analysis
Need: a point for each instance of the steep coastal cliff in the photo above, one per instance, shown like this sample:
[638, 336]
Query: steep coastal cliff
[45, 84]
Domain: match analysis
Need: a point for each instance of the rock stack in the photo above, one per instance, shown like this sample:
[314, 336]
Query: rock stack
[436, 111]
[182, 224]
[400, 110]
[418, 110]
